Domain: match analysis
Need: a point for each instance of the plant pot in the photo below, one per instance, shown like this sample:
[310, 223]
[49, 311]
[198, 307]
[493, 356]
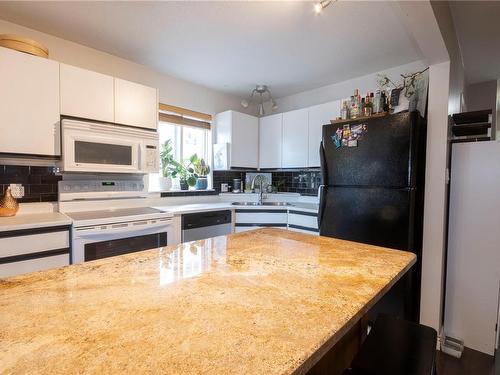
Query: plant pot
[201, 183]
[183, 184]
[413, 103]
[165, 183]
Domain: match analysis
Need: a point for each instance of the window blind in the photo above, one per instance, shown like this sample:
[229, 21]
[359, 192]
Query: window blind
[182, 116]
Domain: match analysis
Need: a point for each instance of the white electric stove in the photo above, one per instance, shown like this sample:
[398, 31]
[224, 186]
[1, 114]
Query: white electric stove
[100, 234]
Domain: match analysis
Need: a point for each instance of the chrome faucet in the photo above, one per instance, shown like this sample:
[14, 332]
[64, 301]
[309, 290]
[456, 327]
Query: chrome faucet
[261, 179]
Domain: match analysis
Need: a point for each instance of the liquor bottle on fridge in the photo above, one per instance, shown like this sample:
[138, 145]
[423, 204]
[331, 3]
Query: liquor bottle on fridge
[376, 102]
[373, 193]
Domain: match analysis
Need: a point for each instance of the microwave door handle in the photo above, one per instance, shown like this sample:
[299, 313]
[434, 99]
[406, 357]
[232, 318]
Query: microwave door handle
[129, 228]
[140, 156]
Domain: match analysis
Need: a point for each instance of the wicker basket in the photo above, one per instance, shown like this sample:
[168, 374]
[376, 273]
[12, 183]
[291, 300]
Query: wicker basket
[22, 44]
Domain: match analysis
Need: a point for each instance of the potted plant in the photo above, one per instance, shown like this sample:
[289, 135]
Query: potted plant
[187, 175]
[171, 168]
[167, 161]
[201, 169]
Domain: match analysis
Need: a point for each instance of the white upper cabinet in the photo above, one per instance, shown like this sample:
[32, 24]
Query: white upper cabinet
[135, 104]
[86, 94]
[295, 145]
[29, 104]
[241, 131]
[319, 115]
[270, 141]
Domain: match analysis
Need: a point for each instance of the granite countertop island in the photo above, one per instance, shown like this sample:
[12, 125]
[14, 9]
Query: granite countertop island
[267, 301]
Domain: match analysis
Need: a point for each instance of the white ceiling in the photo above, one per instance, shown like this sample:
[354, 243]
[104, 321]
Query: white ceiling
[231, 46]
[476, 23]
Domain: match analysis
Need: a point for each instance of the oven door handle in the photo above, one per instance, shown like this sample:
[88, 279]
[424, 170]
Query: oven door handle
[91, 232]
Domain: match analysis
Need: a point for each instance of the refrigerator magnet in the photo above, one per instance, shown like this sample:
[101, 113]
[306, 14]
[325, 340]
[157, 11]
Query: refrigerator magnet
[336, 141]
[346, 131]
[357, 129]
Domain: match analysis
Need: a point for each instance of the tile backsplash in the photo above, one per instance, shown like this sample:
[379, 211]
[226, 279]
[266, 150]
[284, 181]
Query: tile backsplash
[40, 183]
[305, 182]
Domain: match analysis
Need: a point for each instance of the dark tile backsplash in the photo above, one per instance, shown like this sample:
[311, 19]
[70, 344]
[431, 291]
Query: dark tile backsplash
[305, 182]
[40, 183]
[226, 177]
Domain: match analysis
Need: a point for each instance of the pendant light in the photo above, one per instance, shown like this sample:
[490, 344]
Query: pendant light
[261, 91]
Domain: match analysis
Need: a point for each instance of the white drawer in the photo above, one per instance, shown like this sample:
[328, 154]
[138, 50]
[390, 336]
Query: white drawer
[33, 265]
[303, 220]
[303, 231]
[265, 217]
[244, 229]
[33, 243]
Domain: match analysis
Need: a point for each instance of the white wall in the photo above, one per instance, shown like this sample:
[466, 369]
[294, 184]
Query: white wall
[444, 19]
[473, 269]
[172, 90]
[344, 89]
[432, 291]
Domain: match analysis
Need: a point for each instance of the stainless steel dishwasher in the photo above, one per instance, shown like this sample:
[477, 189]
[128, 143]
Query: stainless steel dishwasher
[201, 225]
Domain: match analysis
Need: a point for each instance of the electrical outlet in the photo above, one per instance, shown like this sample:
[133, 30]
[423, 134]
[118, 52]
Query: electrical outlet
[17, 190]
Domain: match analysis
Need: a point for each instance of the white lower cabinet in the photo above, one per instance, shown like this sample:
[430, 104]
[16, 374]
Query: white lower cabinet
[294, 220]
[249, 219]
[304, 222]
[30, 250]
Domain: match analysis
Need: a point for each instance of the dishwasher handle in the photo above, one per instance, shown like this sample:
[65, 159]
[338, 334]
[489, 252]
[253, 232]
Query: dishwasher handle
[205, 219]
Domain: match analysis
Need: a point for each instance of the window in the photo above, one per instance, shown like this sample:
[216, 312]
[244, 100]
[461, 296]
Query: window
[188, 138]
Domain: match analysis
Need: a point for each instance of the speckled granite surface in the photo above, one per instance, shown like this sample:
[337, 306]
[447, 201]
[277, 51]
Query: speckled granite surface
[259, 302]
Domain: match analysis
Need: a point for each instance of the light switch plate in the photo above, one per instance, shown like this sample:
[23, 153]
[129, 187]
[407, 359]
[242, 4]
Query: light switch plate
[17, 190]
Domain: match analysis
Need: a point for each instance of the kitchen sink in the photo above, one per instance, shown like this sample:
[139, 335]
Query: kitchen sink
[276, 204]
[261, 204]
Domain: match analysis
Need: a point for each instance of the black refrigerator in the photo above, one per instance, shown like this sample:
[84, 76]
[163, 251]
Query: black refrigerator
[373, 189]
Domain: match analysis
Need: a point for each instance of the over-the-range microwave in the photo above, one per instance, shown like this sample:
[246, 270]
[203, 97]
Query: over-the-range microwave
[107, 148]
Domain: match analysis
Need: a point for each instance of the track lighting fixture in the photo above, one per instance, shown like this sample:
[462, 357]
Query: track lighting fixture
[261, 91]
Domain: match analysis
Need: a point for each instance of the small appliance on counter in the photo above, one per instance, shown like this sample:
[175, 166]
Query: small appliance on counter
[237, 185]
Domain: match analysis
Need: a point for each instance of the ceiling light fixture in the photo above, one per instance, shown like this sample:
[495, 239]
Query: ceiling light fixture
[261, 91]
[318, 7]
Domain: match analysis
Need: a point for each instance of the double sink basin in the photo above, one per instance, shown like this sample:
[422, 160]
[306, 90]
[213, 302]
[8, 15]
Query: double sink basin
[261, 204]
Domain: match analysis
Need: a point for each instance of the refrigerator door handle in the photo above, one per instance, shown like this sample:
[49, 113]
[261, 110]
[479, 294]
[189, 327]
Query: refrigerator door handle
[322, 158]
[321, 204]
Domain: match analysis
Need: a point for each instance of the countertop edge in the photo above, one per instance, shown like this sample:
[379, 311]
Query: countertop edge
[40, 223]
[309, 363]
[185, 209]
